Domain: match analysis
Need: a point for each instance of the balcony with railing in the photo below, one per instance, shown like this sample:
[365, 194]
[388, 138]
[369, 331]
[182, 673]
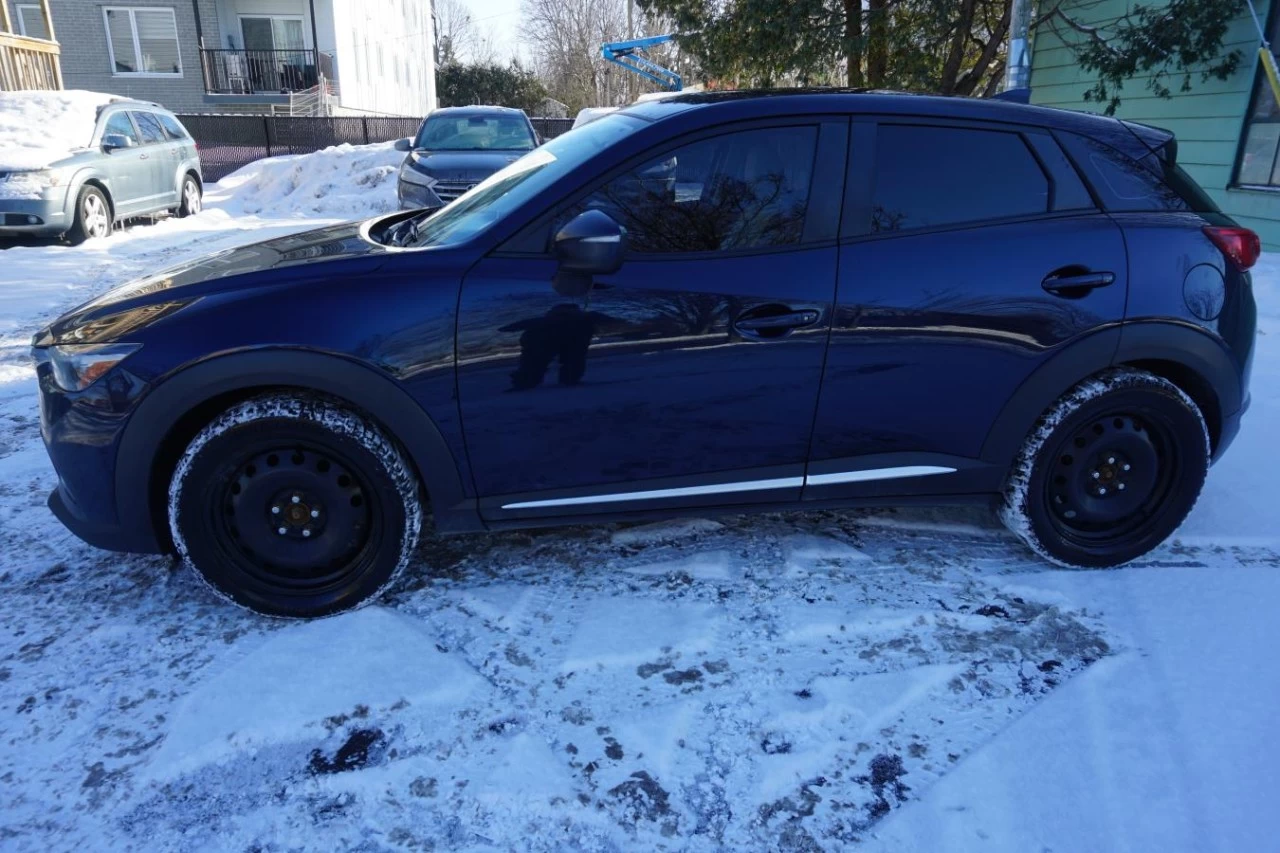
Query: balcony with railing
[263, 72]
[27, 62]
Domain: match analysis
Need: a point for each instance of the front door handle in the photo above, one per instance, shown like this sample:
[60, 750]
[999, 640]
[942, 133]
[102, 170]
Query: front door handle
[1075, 284]
[777, 322]
[142, 156]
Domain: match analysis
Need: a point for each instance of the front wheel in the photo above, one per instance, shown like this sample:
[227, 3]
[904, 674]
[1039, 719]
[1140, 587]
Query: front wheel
[1109, 472]
[294, 506]
[92, 216]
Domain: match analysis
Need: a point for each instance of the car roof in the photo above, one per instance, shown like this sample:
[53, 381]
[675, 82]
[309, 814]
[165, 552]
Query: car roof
[749, 103]
[477, 110]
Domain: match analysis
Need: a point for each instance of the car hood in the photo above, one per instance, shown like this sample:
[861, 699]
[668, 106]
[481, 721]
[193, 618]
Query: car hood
[224, 270]
[461, 165]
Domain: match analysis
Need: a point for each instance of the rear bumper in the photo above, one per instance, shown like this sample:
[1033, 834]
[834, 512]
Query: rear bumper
[1230, 429]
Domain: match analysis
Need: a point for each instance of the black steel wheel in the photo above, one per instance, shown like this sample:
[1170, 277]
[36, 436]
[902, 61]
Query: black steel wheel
[293, 506]
[1110, 471]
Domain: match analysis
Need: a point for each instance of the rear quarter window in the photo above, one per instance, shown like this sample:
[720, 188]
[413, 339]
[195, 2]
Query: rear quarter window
[1127, 185]
[172, 127]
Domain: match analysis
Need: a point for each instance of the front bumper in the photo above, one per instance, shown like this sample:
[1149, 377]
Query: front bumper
[17, 215]
[82, 432]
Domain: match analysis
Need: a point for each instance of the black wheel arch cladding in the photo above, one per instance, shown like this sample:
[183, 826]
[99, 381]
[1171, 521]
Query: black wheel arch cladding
[178, 407]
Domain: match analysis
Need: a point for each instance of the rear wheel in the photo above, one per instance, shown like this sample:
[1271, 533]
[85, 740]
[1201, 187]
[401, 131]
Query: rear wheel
[1109, 472]
[294, 506]
[92, 216]
[191, 197]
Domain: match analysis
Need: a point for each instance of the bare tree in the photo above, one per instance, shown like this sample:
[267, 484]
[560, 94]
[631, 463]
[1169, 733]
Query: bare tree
[457, 37]
[564, 38]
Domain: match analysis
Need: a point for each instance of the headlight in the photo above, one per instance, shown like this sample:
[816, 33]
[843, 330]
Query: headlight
[77, 366]
[410, 175]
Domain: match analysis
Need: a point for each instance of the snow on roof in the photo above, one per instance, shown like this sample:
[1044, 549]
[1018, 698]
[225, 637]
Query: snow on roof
[40, 128]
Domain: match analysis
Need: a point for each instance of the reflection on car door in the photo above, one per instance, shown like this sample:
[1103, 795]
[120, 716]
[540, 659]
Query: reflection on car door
[690, 376]
[129, 168]
[972, 255]
[158, 152]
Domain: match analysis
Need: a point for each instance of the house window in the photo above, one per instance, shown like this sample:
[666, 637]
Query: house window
[31, 22]
[143, 41]
[273, 33]
[1259, 165]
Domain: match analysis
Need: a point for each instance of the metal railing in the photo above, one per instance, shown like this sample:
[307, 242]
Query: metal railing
[228, 141]
[250, 72]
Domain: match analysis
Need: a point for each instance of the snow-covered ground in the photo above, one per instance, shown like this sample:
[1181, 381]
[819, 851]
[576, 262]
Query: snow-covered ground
[910, 680]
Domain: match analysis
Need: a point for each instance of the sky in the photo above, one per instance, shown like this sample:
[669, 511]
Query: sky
[500, 16]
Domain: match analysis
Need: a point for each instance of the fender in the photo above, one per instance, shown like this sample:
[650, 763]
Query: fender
[1039, 391]
[1193, 347]
[181, 392]
[1200, 360]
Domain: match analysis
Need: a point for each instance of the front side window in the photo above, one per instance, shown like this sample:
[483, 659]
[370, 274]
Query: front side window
[143, 41]
[740, 191]
[119, 125]
[475, 133]
[927, 177]
[149, 127]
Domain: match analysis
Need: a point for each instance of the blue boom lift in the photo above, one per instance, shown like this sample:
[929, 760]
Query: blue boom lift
[633, 55]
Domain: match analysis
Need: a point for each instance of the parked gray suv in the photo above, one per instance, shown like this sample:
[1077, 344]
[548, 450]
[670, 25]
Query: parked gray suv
[139, 160]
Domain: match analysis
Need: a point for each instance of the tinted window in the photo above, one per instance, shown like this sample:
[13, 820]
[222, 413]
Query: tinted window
[172, 126]
[119, 124]
[745, 190]
[475, 133]
[1124, 184]
[931, 176]
[149, 127]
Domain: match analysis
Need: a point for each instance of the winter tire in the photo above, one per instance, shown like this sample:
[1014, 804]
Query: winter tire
[1109, 472]
[192, 200]
[291, 505]
[92, 216]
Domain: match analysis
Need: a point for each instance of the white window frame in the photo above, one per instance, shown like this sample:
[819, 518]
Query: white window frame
[137, 46]
[22, 9]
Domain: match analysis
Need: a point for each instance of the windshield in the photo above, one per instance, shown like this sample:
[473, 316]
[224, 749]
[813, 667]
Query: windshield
[475, 133]
[504, 191]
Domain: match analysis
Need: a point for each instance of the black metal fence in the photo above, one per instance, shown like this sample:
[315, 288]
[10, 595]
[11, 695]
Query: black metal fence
[242, 72]
[229, 141]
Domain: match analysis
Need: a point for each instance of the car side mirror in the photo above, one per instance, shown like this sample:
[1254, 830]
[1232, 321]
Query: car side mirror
[112, 141]
[404, 144]
[590, 244]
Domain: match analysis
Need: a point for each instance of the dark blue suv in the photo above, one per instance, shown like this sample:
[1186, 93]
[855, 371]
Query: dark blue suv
[713, 303]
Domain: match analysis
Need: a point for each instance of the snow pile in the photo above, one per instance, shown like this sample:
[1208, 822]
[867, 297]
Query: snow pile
[39, 128]
[345, 182]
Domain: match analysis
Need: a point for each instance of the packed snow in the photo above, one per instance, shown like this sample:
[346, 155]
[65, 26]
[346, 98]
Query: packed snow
[38, 129]
[907, 680]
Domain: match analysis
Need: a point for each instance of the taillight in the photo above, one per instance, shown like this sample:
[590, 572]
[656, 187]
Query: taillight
[1240, 245]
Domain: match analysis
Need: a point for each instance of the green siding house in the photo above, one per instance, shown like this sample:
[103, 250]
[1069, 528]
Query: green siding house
[1228, 130]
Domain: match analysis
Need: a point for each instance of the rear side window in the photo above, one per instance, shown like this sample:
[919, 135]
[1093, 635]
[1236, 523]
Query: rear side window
[149, 127]
[172, 127]
[1128, 185]
[928, 177]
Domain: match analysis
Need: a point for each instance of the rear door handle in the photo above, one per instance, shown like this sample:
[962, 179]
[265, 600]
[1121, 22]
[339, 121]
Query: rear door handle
[142, 156]
[1076, 284]
[773, 322]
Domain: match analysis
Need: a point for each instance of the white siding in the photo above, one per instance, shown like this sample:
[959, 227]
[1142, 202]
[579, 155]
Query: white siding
[383, 50]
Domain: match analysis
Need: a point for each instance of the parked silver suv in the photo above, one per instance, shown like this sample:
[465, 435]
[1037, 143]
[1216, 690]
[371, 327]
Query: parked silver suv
[135, 159]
